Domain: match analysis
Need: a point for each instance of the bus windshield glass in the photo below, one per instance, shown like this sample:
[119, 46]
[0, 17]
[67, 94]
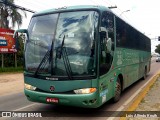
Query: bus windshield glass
[62, 44]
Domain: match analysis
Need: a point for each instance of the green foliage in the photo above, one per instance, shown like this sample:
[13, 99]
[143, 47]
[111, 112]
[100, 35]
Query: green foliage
[10, 14]
[11, 69]
[157, 50]
[20, 50]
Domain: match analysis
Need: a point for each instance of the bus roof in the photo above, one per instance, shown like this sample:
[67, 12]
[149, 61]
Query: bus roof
[78, 7]
[72, 8]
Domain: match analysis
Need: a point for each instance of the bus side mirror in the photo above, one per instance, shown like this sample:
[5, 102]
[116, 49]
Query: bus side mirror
[16, 36]
[20, 31]
[112, 47]
[103, 32]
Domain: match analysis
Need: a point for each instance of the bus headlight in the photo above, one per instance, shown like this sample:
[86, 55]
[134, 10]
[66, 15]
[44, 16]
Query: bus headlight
[29, 87]
[85, 91]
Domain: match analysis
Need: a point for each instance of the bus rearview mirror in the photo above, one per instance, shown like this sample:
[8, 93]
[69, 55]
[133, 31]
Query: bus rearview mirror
[23, 32]
[104, 32]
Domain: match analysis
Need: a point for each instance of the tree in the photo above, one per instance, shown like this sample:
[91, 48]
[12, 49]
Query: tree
[157, 50]
[10, 14]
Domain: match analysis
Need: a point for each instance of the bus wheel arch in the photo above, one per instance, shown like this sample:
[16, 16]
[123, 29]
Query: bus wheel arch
[120, 76]
[145, 73]
[118, 88]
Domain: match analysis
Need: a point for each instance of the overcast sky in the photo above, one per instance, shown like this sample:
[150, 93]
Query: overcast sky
[142, 14]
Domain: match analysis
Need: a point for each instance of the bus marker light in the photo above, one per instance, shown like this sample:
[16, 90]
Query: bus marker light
[112, 67]
[52, 100]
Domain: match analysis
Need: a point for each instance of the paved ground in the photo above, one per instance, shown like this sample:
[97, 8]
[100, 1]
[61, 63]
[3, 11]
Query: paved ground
[11, 83]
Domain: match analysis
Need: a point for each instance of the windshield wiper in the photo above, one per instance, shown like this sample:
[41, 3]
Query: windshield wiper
[44, 61]
[67, 63]
[63, 53]
[59, 49]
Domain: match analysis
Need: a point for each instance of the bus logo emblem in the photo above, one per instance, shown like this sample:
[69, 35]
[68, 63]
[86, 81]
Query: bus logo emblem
[52, 88]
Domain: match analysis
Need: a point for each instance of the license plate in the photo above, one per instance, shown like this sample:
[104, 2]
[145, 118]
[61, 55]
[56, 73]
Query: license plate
[52, 100]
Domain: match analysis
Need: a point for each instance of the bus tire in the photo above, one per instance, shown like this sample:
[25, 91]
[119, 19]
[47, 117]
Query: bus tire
[145, 74]
[118, 90]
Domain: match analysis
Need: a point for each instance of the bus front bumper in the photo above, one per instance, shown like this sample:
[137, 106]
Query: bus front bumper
[78, 100]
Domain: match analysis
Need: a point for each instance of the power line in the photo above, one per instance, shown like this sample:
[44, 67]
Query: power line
[119, 11]
[34, 5]
[15, 6]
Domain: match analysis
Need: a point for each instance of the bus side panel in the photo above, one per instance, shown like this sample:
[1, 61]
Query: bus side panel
[145, 61]
[127, 60]
[132, 63]
[106, 87]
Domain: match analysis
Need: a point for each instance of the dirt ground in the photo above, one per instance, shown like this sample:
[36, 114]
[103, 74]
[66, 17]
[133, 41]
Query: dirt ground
[11, 83]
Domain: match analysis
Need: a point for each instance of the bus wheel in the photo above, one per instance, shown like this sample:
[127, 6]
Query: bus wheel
[118, 90]
[145, 74]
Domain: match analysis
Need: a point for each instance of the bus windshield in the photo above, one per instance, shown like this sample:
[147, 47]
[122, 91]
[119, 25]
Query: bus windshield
[62, 44]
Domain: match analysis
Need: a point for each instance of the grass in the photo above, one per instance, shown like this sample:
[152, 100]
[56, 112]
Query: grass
[143, 101]
[11, 69]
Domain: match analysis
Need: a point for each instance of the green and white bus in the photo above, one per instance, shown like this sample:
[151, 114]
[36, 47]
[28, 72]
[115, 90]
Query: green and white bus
[82, 56]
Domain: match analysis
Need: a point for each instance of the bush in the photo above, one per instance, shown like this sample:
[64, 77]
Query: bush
[11, 69]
